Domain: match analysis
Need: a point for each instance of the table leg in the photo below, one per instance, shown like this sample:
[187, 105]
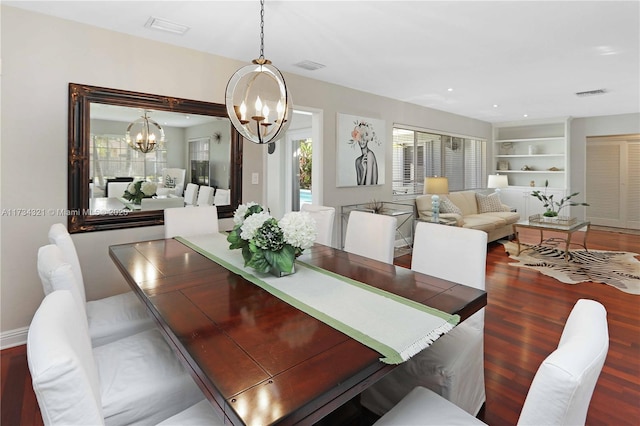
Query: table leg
[515, 233]
[584, 240]
[566, 247]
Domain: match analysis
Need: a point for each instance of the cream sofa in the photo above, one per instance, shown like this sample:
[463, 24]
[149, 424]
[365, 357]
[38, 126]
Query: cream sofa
[472, 210]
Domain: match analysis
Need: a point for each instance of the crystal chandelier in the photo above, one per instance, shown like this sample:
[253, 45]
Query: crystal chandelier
[145, 141]
[257, 100]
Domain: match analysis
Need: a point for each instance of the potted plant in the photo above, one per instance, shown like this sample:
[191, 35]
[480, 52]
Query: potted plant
[269, 245]
[553, 207]
[138, 190]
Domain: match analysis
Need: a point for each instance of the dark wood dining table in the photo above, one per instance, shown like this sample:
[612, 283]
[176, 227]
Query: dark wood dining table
[257, 359]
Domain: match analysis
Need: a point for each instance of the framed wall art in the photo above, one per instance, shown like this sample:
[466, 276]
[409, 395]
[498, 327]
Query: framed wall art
[360, 154]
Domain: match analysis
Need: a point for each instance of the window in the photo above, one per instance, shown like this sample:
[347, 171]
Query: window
[417, 154]
[199, 160]
[113, 157]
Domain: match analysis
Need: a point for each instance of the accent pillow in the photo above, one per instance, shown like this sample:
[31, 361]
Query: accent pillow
[447, 206]
[489, 203]
[170, 181]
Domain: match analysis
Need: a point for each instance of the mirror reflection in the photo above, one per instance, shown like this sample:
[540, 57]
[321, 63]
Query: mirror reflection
[167, 149]
[132, 154]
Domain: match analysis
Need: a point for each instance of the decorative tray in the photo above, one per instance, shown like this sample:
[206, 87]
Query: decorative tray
[559, 220]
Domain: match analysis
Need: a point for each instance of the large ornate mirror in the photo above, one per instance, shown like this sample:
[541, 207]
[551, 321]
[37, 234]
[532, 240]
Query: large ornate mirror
[198, 145]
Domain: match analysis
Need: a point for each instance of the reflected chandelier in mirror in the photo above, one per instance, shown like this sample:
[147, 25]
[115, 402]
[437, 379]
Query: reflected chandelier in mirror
[103, 165]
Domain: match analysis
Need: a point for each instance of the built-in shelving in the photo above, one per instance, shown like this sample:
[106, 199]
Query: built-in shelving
[536, 146]
[530, 153]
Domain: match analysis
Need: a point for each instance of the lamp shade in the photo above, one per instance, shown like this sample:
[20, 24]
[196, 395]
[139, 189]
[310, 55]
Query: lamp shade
[436, 185]
[497, 181]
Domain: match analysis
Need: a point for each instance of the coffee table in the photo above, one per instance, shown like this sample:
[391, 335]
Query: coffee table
[554, 227]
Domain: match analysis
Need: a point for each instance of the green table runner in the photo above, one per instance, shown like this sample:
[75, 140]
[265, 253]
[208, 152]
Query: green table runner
[396, 327]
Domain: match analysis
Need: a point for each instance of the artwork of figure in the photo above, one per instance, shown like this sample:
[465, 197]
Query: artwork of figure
[366, 165]
[360, 151]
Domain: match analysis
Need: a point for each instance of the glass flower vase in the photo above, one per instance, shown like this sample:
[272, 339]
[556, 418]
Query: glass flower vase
[276, 272]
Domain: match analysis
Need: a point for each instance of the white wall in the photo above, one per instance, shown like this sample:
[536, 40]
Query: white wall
[41, 55]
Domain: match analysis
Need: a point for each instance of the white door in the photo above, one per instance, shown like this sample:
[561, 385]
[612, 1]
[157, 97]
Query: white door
[613, 181]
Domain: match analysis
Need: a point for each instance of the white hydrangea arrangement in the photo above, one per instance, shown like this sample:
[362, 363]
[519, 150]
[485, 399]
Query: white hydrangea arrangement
[269, 245]
[138, 190]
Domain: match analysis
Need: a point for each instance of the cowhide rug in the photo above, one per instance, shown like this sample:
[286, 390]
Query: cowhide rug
[615, 268]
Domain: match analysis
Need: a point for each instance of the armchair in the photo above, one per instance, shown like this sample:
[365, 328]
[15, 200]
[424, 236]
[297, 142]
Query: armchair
[173, 178]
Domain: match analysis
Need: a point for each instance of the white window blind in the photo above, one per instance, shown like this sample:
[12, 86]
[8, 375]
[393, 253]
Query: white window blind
[417, 154]
[111, 156]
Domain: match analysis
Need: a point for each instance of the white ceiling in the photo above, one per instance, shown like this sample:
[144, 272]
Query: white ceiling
[526, 57]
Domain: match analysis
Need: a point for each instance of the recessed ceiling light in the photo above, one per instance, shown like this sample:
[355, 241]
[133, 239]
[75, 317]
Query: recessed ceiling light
[525, 115]
[450, 89]
[166, 25]
[606, 50]
[495, 105]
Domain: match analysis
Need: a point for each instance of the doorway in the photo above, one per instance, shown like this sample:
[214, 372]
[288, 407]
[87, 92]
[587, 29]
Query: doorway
[301, 172]
[293, 170]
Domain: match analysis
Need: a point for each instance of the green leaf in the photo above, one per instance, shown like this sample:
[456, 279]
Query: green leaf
[235, 240]
[281, 260]
[246, 254]
[258, 261]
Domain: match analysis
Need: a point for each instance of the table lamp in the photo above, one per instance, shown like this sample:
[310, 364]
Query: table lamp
[497, 182]
[436, 185]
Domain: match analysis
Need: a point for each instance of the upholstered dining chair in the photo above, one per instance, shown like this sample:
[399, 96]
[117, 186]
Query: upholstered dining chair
[371, 235]
[110, 318]
[191, 194]
[453, 366]
[116, 189]
[561, 390]
[133, 381]
[222, 197]
[324, 217]
[205, 196]
[185, 222]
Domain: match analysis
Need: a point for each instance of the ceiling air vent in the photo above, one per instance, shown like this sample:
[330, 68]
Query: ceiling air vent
[166, 25]
[309, 65]
[591, 92]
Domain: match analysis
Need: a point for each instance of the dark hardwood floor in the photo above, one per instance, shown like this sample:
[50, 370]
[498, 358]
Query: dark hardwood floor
[524, 319]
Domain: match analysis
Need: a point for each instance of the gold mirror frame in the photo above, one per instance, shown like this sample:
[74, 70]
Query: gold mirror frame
[80, 98]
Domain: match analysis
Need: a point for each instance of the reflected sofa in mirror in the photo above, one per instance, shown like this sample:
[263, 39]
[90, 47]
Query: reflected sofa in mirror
[103, 165]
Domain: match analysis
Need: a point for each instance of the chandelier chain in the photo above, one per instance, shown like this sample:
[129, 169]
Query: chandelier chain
[261, 29]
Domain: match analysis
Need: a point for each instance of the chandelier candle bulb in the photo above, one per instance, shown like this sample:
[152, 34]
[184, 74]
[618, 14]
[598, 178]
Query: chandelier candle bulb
[258, 106]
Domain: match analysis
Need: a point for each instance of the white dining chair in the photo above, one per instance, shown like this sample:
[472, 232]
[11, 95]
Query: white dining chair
[116, 189]
[133, 381]
[371, 235]
[109, 318]
[205, 196]
[324, 217]
[200, 414]
[453, 366]
[185, 222]
[191, 194]
[561, 390]
[222, 197]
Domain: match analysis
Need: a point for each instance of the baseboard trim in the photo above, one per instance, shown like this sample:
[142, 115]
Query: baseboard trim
[12, 338]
